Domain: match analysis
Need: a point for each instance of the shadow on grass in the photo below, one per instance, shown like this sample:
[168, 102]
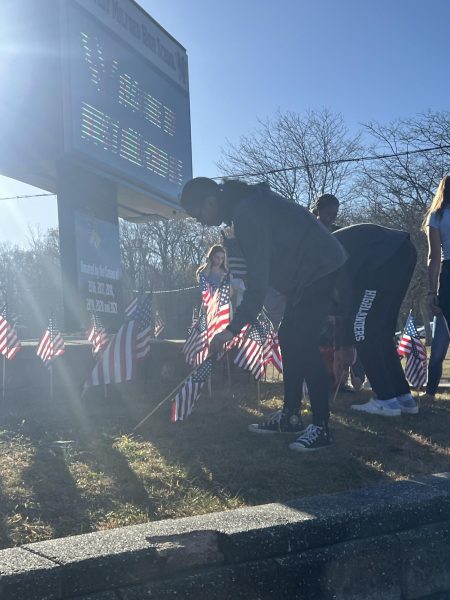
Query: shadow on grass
[209, 462]
[215, 449]
[5, 504]
[54, 499]
[126, 486]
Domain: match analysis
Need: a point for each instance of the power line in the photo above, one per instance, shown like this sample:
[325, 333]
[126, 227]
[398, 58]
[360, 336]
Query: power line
[28, 196]
[325, 163]
[339, 161]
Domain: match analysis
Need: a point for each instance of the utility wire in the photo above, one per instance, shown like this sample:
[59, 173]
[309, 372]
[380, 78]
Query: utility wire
[28, 196]
[338, 161]
[325, 163]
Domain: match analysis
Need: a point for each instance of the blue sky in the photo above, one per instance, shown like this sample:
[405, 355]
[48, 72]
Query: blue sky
[247, 59]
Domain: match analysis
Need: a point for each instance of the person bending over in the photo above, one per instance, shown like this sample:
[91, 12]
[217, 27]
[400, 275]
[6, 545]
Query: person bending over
[286, 248]
[376, 277]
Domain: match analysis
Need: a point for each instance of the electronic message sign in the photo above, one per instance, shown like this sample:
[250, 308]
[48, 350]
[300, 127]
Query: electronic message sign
[101, 84]
[94, 106]
[126, 100]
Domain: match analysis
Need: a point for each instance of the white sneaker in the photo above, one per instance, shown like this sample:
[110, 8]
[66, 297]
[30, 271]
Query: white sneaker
[408, 405]
[384, 408]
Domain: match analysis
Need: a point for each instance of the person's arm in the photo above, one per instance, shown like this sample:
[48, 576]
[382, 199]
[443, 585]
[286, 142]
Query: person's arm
[434, 267]
[252, 230]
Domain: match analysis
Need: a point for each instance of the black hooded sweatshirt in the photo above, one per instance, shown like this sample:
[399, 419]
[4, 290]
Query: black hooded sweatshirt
[284, 246]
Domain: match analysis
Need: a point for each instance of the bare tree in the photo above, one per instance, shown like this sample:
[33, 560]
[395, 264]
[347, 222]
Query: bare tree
[164, 255]
[397, 190]
[301, 157]
[30, 281]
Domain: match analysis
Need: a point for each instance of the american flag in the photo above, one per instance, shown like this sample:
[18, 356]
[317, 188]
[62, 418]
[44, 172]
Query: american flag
[97, 335]
[143, 317]
[159, 325]
[117, 362]
[185, 399]
[258, 348]
[207, 290]
[214, 318]
[276, 359]
[131, 343]
[219, 309]
[195, 315]
[131, 307]
[9, 342]
[51, 344]
[196, 347]
[416, 355]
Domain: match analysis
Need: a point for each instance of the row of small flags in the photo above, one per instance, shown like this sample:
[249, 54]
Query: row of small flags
[257, 345]
[130, 343]
[122, 350]
[50, 345]
[118, 353]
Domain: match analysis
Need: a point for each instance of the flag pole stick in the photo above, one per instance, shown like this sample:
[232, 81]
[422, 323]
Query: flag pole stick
[338, 386]
[169, 395]
[4, 379]
[4, 355]
[258, 393]
[51, 382]
[228, 370]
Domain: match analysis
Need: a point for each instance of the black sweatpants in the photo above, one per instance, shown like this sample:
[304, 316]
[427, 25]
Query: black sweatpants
[444, 290]
[299, 342]
[376, 304]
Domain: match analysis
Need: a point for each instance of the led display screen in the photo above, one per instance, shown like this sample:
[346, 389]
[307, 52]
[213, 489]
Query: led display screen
[126, 95]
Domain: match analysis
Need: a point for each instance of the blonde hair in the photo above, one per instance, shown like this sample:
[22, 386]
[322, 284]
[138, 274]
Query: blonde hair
[213, 250]
[440, 201]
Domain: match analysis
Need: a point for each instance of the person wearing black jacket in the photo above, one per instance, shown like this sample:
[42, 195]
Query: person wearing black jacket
[374, 282]
[284, 247]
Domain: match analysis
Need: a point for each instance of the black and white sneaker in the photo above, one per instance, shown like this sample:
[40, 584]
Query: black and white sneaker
[279, 422]
[313, 438]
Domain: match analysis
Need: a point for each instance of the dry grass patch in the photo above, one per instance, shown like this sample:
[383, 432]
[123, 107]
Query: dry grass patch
[59, 479]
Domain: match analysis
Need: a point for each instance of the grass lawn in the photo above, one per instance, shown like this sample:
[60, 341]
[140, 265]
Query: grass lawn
[69, 472]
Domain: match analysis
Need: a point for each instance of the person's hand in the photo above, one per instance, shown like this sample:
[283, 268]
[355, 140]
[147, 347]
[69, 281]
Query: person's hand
[433, 304]
[220, 339]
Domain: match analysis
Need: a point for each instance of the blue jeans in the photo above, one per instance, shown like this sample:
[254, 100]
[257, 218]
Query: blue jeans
[439, 347]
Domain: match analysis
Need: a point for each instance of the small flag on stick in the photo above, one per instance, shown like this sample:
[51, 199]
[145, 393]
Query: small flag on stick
[188, 395]
[97, 335]
[9, 342]
[51, 344]
[415, 352]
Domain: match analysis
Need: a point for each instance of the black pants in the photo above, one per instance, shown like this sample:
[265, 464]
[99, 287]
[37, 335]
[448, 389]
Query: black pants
[444, 290]
[299, 342]
[376, 306]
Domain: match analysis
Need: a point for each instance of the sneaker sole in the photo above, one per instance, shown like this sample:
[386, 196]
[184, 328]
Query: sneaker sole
[256, 429]
[386, 412]
[299, 448]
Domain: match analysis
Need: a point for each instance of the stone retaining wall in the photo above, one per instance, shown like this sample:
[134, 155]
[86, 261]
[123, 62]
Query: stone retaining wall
[383, 542]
